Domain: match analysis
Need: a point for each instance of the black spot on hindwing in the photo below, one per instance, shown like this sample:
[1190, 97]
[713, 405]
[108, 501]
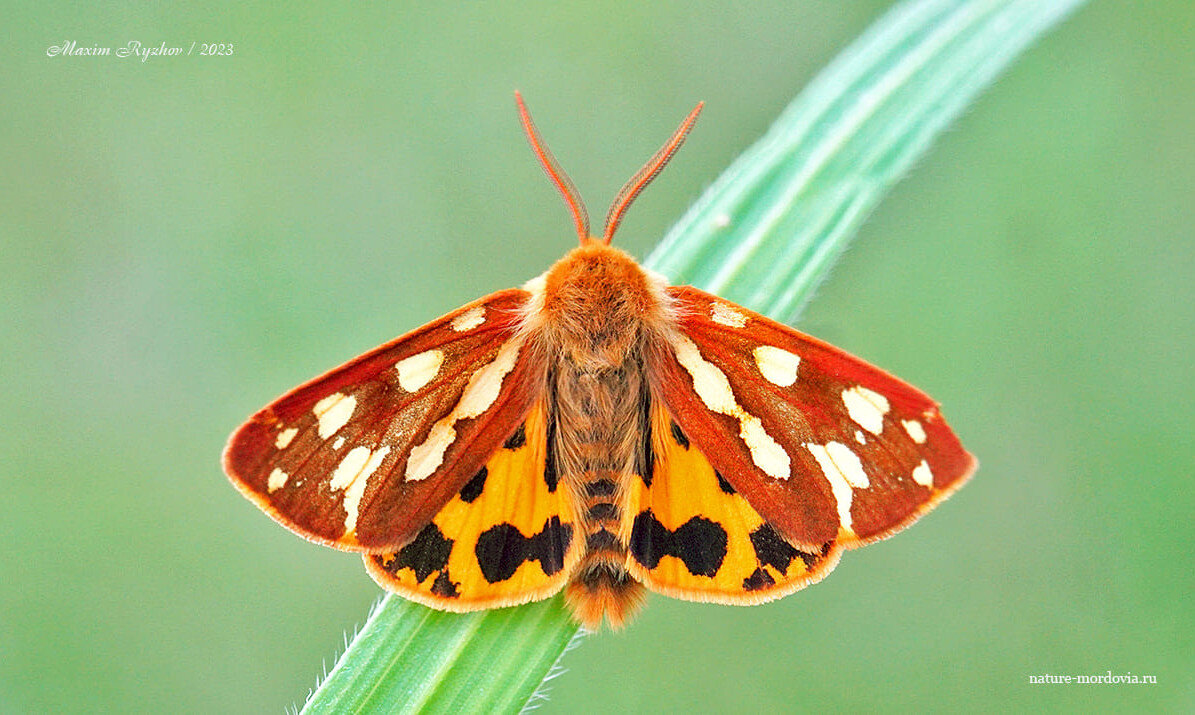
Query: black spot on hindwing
[770, 549]
[445, 586]
[551, 477]
[757, 580]
[518, 439]
[501, 549]
[679, 436]
[723, 484]
[472, 490]
[774, 551]
[647, 467]
[425, 555]
[699, 543]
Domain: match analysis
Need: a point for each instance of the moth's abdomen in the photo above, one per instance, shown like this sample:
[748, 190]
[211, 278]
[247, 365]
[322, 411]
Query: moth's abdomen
[600, 585]
[599, 419]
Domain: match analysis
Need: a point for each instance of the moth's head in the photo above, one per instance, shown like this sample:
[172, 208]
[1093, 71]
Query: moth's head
[626, 195]
[594, 304]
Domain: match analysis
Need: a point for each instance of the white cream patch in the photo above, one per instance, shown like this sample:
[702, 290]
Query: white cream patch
[338, 443]
[277, 480]
[352, 476]
[285, 436]
[915, 430]
[922, 475]
[486, 383]
[838, 485]
[713, 388]
[333, 412]
[469, 319]
[419, 369]
[844, 471]
[726, 314]
[536, 285]
[866, 408]
[349, 467]
[658, 282]
[533, 310]
[480, 393]
[848, 464]
[426, 458]
[778, 366]
[709, 382]
[765, 451]
[859, 437]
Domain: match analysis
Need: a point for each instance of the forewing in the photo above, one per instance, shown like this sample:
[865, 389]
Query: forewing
[694, 536]
[507, 537]
[362, 457]
[823, 445]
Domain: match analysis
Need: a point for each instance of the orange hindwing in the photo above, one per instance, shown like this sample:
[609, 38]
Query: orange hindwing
[693, 536]
[509, 535]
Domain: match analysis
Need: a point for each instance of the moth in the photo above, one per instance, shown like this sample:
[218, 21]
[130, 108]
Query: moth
[600, 432]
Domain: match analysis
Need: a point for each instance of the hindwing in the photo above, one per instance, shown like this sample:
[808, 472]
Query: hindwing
[508, 537]
[693, 536]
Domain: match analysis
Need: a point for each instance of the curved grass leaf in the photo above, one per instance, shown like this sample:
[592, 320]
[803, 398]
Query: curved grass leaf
[763, 235]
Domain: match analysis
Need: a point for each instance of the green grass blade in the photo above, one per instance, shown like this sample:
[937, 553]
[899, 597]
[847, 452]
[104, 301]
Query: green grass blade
[764, 235]
[409, 658]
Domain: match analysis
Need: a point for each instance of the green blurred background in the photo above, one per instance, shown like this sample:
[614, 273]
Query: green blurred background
[184, 239]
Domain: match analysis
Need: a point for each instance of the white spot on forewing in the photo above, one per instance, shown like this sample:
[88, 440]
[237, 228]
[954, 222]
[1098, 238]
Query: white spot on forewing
[426, 458]
[709, 382]
[486, 383]
[915, 430]
[767, 454]
[726, 314]
[859, 437]
[713, 389]
[285, 437]
[333, 412]
[338, 443]
[277, 480]
[844, 471]
[469, 319]
[848, 464]
[349, 467]
[416, 371]
[778, 366]
[352, 476]
[838, 485]
[866, 408]
[922, 475]
[480, 393]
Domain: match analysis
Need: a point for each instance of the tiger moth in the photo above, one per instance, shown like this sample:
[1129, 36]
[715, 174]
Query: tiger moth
[600, 432]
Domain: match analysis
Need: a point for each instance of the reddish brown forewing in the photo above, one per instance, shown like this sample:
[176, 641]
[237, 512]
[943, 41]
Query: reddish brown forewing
[330, 459]
[841, 450]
